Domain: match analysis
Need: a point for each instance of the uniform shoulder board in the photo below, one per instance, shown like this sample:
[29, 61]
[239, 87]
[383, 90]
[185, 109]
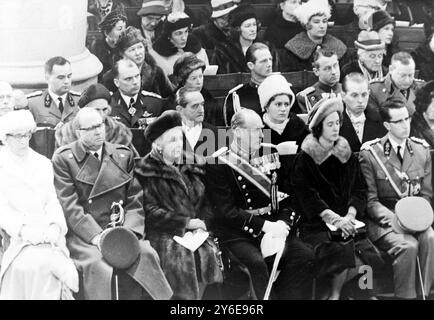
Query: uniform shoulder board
[306, 91]
[122, 147]
[74, 93]
[420, 141]
[63, 148]
[369, 143]
[34, 94]
[235, 88]
[377, 80]
[151, 94]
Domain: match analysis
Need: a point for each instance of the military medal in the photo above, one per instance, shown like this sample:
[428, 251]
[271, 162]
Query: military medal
[132, 111]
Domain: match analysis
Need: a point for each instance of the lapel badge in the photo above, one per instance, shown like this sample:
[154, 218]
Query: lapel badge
[146, 114]
[410, 149]
[47, 100]
[387, 148]
[132, 111]
[142, 123]
[70, 100]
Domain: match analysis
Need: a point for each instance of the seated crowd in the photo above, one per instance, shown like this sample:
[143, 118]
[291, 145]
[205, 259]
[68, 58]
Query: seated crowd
[314, 184]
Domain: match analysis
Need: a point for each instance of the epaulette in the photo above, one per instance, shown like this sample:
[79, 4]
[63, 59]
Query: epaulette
[34, 94]
[420, 141]
[63, 148]
[306, 91]
[116, 118]
[235, 88]
[369, 143]
[150, 94]
[122, 147]
[75, 93]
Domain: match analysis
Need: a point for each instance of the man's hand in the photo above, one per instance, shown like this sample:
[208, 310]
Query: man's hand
[194, 224]
[386, 221]
[278, 229]
[347, 226]
[58, 125]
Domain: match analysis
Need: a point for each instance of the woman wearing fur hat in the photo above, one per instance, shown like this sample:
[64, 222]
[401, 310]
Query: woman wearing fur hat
[174, 202]
[314, 16]
[422, 122]
[132, 46]
[188, 72]
[174, 40]
[329, 188]
[112, 27]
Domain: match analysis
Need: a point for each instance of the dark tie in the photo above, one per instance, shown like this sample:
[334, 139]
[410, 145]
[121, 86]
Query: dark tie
[405, 93]
[96, 155]
[131, 102]
[60, 105]
[399, 154]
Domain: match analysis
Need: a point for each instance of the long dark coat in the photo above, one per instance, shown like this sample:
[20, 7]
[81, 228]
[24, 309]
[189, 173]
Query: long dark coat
[424, 58]
[321, 181]
[86, 189]
[171, 198]
[420, 129]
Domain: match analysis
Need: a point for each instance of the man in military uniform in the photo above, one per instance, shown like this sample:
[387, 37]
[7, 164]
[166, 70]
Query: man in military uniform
[133, 107]
[326, 68]
[245, 210]
[394, 167]
[260, 64]
[58, 104]
[399, 82]
[91, 174]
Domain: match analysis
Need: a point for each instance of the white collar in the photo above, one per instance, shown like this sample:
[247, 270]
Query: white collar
[55, 97]
[187, 128]
[128, 98]
[353, 118]
[99, 152]
[395, 145]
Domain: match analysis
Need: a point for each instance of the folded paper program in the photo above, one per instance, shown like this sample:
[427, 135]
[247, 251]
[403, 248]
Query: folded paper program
[192, 240]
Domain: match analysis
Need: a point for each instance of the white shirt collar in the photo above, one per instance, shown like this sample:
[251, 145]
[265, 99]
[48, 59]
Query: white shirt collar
[128, 98]
[99, 152]
[395, 145]
[192, 134]
[353, 118]
[55, 97]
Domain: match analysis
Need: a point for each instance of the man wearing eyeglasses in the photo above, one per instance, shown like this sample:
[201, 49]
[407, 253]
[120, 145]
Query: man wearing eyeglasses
[89, 175]
[391, 164]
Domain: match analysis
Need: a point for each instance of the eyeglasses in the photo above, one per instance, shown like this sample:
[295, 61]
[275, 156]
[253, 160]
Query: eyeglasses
[20, 136]
[97, 126]
[402, 121]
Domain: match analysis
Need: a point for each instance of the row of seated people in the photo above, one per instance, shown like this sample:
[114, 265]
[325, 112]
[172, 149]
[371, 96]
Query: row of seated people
[223, 42]
[236, 217]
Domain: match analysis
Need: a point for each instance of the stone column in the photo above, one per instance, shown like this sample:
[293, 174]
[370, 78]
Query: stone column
[33, 31]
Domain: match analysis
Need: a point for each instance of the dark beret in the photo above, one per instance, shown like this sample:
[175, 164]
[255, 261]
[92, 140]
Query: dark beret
[93, 92]
[379, 19]
[167, 120]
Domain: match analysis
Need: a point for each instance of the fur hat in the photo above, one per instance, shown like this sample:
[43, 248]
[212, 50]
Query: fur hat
[156, 7]
[323, 108]
[312, 8]
[176, 21]
[274, 84]
[16, 121]
[167, 120]
[371, 3]
[221, 7]
[184, 65]
[379, 19]
[130, 37]
[369, 41]
[110, 20]
[241, 14]
[93, 92]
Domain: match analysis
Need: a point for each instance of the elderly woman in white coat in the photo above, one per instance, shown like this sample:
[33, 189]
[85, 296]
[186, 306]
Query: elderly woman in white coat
[36, 263]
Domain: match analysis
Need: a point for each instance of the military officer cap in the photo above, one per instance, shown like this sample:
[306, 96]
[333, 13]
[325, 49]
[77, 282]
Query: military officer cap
[167, 120]
[93, 92]
[409, 220]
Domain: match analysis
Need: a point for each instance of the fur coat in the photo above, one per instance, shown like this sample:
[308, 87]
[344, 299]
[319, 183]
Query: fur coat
[173, 196]
[300, 50]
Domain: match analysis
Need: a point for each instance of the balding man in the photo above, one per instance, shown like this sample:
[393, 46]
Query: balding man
[91, 174]
[6, 98]
[240, 195]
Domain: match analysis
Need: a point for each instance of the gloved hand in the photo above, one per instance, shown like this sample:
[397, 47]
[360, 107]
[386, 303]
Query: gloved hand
[194, 224]
[278, 229]
[95, 240]
[32, 234]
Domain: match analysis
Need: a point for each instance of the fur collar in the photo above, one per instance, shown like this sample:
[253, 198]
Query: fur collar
[304, 48]
[152, 166]
[165, 48]
[319, 154]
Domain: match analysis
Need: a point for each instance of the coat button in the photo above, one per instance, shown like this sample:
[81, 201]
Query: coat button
[246, 228]
[251, 230]
[243, 186]
[250, 208]
[249, 200]
[240, 178]
[90, 201]
[246, 194]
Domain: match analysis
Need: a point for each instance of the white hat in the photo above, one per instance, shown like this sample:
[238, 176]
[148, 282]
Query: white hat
[16, 121]
[372, 3]
[312, 8]
[221, 7]
[274, 84]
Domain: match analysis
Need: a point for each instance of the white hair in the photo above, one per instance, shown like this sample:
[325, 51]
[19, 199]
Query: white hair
[15, 122]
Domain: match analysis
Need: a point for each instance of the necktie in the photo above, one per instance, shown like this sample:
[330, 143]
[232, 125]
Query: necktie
[405, 93]
[96, 155]
[131, 109]
[399, 154]
[60, 105]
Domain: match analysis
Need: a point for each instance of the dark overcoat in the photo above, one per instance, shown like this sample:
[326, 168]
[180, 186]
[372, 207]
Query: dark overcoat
[86, 189]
